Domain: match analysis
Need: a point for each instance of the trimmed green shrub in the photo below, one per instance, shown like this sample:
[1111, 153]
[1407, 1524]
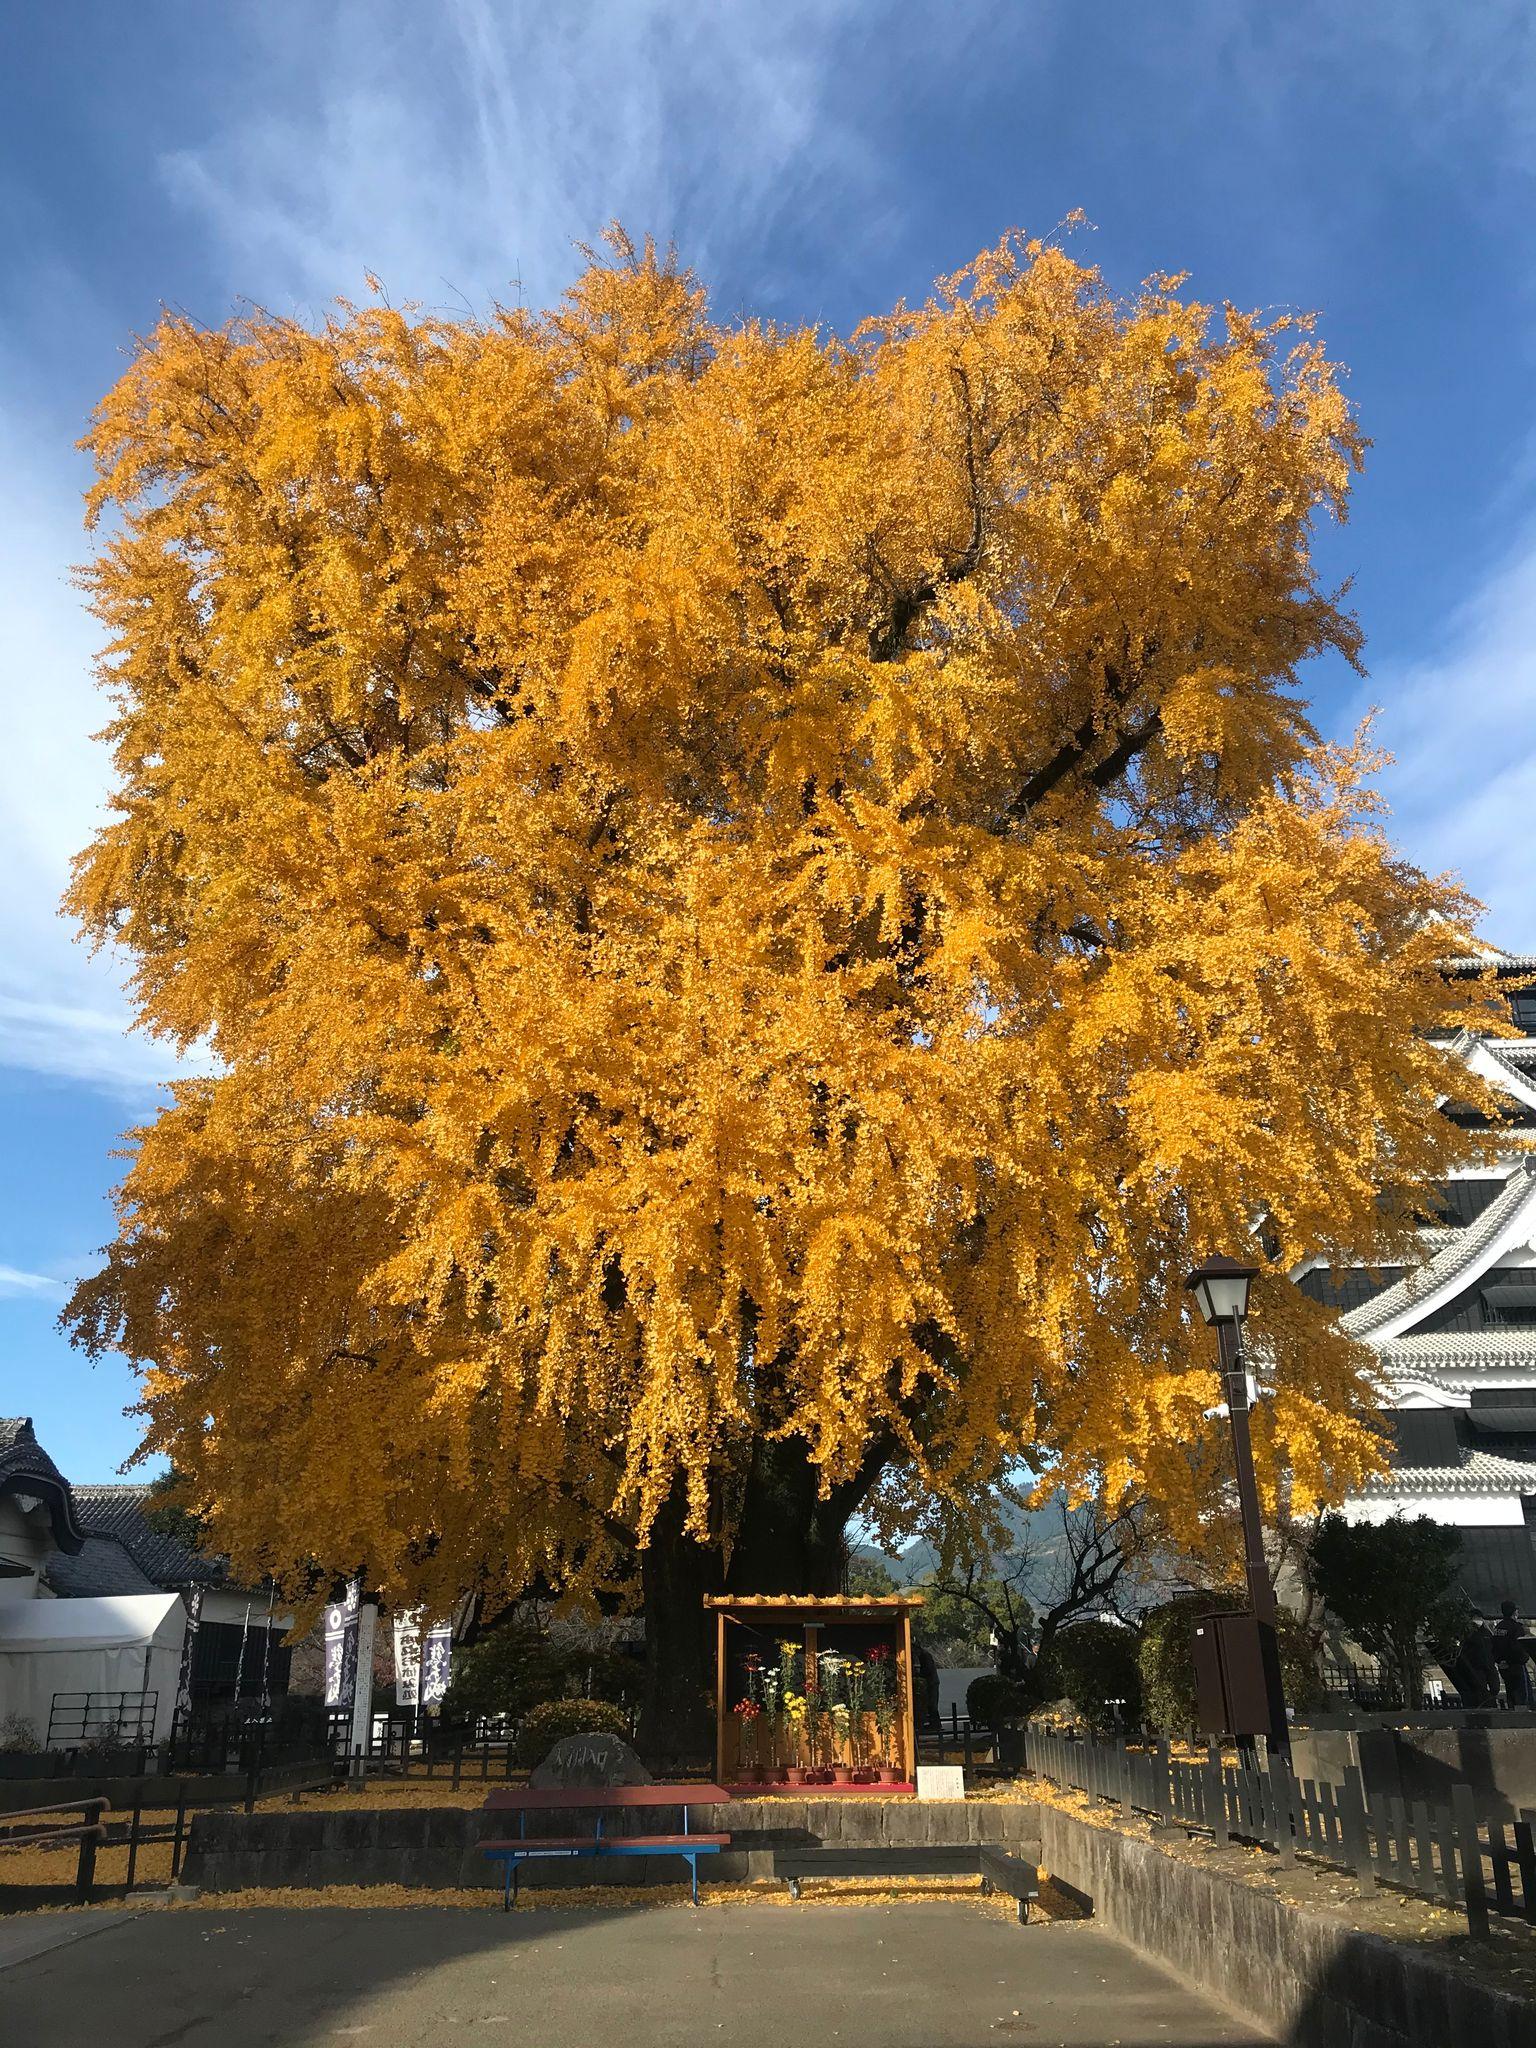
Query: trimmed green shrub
[1095, 1664]
[552, 1720]
[994, 1702]
[515, 1665]
[1167, 1659]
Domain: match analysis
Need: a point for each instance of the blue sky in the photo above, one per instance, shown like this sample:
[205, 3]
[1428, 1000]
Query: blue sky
[813, 162]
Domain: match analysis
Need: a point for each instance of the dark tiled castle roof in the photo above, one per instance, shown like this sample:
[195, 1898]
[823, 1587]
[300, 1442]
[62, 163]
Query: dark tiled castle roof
[27, 1471]
[116, 1513]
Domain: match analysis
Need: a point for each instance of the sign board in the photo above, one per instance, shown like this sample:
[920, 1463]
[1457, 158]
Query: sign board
[436, 1656]
[341, 1648]
[589, 1760]
[407, 1659]
[194, 1605]
[940, 1781]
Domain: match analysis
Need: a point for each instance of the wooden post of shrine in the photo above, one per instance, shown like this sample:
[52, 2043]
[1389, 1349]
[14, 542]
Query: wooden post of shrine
[907, 1679]
[721, 1707]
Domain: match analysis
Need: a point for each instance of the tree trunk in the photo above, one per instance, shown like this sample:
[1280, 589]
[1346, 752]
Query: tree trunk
[676, 1575]
[786, 1540]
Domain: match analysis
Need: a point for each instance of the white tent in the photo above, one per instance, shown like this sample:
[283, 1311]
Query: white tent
[124, 1643]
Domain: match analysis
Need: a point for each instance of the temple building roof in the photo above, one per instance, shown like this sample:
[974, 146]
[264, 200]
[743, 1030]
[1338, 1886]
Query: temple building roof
[27, 1471]
[116, 1514]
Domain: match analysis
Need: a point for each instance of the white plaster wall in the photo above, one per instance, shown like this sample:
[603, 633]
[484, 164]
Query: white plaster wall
[25, 1538]
[221, 1606]
[1462, 1510]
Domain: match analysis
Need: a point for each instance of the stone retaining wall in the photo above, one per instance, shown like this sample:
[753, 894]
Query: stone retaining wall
[156, 1792]
[1316, 1982]
[344, 1842]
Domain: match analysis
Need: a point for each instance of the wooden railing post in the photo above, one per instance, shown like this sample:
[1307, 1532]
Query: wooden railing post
[133, 1838]
[1282, 1794]
[1216, 1795]
[1353, 1825]
[91, 1832]
[1469, 1851]
[1525, 1857]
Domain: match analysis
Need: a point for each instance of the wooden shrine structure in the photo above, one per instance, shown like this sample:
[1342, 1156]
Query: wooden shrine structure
[827, 1642]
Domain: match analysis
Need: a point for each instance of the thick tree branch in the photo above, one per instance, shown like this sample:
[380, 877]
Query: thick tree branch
[887, 641]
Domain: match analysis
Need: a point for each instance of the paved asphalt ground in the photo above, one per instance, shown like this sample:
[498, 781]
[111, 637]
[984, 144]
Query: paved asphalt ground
[934, 1976]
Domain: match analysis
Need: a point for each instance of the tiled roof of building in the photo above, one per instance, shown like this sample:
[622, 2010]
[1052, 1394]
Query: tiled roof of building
[1459, 1256]
[103, 1566]
[1510, 1469]
[1510, 1057]
[117, 1512]
[27, 1471]
[1493, 957]
[1421, 1354]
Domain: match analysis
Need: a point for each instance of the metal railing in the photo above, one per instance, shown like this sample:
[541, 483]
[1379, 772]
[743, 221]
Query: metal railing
[89, 1831]
[124, 1718]
[1450, 1854]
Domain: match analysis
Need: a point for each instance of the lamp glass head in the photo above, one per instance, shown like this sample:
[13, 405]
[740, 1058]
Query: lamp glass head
[1221, 1287]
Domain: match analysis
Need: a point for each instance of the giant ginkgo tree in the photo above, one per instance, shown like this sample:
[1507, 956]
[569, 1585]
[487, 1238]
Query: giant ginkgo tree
[756, 899]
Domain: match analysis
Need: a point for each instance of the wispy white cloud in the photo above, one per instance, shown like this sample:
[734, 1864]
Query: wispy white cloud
[466, 151]
[61, 1011]
[1462, 726]
[1444, 69]
[13, 1281]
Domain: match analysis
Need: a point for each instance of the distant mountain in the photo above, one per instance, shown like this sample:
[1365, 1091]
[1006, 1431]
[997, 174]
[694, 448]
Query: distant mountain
[1038, 1530]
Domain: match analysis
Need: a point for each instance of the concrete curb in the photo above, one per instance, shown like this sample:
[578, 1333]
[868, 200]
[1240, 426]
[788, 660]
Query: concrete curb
[38, 1934]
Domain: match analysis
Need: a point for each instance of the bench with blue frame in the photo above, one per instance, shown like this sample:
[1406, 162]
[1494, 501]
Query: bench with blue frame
[599, 1800]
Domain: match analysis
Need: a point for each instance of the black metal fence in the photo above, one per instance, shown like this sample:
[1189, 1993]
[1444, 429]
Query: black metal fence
[101, 1718]
[1449, 1854]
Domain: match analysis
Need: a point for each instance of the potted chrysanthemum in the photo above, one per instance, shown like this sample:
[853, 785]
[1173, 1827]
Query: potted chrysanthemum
[882, 1687]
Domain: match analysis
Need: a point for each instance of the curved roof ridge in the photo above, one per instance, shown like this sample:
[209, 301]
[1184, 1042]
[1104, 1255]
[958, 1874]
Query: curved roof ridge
[1456, 1260]
[1514, 1077]
[26, 1468]
[1475, 1471]
[1445, 1344]
[1493, 957]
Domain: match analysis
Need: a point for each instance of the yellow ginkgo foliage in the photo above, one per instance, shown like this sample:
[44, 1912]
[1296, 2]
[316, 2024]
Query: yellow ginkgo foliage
[757, 900]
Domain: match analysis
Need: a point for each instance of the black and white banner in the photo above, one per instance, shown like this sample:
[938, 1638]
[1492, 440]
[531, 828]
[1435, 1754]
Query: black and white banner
[421, 1661]
[341, 1648]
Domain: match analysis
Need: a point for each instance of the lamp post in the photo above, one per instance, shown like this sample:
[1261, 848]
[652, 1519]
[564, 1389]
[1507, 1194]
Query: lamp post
[1220, 1288]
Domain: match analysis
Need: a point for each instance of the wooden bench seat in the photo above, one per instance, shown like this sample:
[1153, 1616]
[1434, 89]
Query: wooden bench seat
[997, 1870]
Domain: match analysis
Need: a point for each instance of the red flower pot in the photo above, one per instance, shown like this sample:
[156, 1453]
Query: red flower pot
[841, 1775]
[889, 1775]
[794, 1774]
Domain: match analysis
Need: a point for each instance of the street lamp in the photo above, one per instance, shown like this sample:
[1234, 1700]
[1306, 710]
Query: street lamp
[1220, 1288]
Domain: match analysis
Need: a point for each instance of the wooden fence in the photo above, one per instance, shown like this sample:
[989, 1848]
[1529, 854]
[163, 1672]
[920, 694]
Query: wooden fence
[1479, 1864]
